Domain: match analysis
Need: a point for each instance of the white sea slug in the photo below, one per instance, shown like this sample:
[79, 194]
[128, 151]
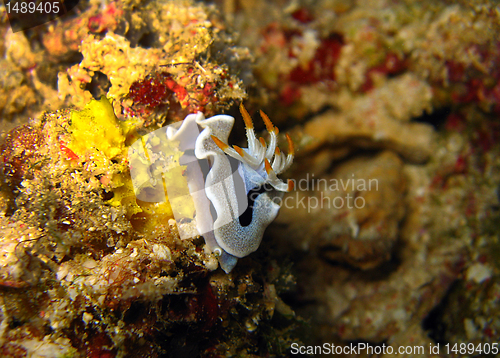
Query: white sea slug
[236, 191]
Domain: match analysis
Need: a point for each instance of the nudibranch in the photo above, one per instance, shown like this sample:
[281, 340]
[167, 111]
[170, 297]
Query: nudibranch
[236, 191]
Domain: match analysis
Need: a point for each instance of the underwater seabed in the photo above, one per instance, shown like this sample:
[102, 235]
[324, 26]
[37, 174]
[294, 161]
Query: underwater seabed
[387, 231]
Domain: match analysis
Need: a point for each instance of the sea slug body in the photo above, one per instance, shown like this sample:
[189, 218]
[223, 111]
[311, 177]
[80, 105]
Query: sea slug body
[236, 190]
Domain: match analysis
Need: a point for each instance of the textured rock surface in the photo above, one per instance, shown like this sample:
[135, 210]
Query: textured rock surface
[353, 214]
[407, 93]
[375, 121]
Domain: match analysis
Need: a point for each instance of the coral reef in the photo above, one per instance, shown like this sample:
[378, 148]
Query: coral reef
[164, 65]
[364, 237]
[105, 272]
[158, 61]
[87, 269]
[352, 81]
[373, 121]
[390, 236]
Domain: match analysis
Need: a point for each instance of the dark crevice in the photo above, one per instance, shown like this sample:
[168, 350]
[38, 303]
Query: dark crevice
[135, 313]
[433, 322]
[107, 195]
[436, 119]
[99, 85]
[147, 40]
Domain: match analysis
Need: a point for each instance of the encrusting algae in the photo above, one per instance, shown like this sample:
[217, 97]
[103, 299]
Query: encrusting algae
[404, 93]
[95, 130]
[99, 139]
